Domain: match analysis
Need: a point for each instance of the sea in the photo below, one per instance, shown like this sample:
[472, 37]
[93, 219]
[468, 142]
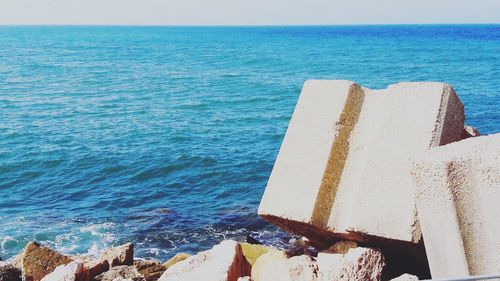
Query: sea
[166, 136]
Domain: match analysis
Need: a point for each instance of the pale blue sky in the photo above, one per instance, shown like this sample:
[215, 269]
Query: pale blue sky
[247, 12]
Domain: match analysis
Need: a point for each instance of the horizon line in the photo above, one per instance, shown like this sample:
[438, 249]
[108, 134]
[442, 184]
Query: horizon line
[238, 25]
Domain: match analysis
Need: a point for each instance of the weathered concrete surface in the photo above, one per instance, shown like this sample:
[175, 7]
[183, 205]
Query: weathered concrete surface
[347, 150]
[36, 261]
[358, 264]
[72, 271]
[458, 195]
[224, 262]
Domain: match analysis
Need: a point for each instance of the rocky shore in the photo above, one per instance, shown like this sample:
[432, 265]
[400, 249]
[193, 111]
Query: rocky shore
[229, 260]
[362, 206]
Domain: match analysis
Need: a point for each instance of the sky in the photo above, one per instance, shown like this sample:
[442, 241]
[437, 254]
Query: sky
[246, 12]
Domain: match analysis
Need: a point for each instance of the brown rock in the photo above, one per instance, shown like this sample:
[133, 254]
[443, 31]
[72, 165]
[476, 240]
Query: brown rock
[36, 261]
[224, 262]
[151, 270]
[119, 273]
[91, 266]
[121, 255]
[9, 273]
[175, 259]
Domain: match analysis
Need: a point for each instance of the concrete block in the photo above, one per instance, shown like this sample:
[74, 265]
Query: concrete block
[458, 195]
[343, 170]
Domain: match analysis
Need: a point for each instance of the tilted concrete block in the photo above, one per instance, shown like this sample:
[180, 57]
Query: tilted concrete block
[458, 195]
[343, 170]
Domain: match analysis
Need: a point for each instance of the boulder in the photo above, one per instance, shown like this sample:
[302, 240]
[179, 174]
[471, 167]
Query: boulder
[406, 277]
[120, 272]
[151, 270]
[275, 266]
[253, 251]
[470, 132]
[224, 262]
[357, 264]
[121, 255]
[175, 259]
[9, 272]
[347, 150]
[246, 278]
[92, 267]
[36, 261]
[457, 191]
[72, 271]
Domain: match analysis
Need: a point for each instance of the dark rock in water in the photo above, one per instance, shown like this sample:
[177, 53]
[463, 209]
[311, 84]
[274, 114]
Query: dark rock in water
[301, 250]
[9, 273]
[252, 240]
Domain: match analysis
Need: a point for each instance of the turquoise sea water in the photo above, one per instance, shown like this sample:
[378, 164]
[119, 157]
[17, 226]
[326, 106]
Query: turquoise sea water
[165, 136]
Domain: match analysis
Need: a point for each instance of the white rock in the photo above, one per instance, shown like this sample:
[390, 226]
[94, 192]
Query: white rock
[458, 195]
[345, 156]
[405, 277]
[358, 264]
[224, 262]
[72, 271]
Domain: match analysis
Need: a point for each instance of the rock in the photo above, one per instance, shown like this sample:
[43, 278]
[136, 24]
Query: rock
[265, 262]
[9, 272]
[458, 190]
[151, 270]
[223, 262]
[121, 255]
[253, 251]
[120, 272]
[341, 247]
[246, 278]
[406, 277]
[175, 259]
[354, 146]
[358, 264]
[470, 132]
[36, 261]
[72, 271]
[91, 266]
[275, 266]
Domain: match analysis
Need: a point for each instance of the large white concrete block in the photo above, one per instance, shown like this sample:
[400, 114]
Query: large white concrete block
[458, 200]
[343, 170]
